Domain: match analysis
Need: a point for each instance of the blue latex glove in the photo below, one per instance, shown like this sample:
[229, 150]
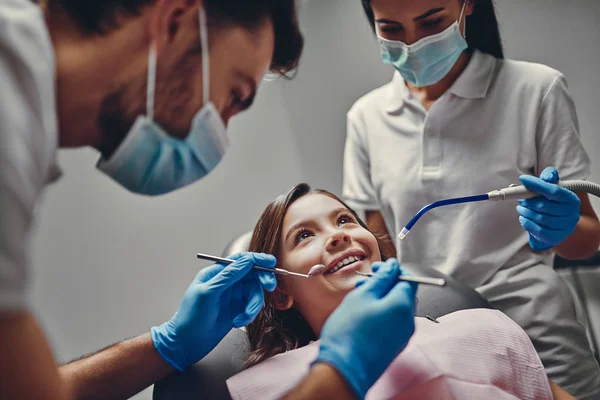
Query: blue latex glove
[370, 328]
[220, 298]
[551, 218]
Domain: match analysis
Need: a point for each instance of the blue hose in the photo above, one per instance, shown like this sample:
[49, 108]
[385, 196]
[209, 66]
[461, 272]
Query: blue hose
[441, 203]
[511, 192]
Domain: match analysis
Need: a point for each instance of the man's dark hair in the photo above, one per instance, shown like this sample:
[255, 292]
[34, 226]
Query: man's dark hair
[100, 16]
[483, 32]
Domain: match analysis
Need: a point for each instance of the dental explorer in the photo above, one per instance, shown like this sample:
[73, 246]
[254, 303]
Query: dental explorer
[513, 192]
[315, 270]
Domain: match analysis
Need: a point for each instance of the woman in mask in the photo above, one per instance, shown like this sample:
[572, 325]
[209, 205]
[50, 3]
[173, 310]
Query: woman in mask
[469, 354]
[459, 119]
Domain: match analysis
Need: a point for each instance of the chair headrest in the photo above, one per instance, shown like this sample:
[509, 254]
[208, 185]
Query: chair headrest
[237, 245]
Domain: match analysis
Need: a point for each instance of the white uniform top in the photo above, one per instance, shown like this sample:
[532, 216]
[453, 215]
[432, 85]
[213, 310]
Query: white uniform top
[28, 138]
[500, 119]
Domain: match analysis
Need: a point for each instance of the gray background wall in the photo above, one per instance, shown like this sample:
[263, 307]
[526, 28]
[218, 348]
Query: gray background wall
[109, 265]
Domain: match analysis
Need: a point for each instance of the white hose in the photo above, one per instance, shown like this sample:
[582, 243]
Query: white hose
[521, 192]
[582, 186]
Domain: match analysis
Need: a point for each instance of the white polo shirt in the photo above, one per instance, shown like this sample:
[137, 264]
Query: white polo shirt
[28, 139]
[500, 119]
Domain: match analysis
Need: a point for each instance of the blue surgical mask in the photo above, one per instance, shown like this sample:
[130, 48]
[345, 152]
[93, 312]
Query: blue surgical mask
[428, 60]
[152, 162]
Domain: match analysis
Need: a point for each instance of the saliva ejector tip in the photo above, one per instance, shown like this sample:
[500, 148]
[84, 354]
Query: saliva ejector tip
[403, 234]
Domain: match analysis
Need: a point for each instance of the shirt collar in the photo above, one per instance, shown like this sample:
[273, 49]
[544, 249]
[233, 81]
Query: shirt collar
[476, 79]
[473, 83]
[398, 93]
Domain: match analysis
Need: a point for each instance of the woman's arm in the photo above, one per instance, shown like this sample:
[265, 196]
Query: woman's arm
[584, 242]
[559, 393]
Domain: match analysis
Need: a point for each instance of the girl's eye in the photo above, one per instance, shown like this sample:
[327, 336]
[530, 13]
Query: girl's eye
[304, 234]
[346, 219]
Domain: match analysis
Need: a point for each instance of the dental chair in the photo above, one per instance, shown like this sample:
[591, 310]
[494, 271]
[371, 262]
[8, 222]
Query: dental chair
[206, 379]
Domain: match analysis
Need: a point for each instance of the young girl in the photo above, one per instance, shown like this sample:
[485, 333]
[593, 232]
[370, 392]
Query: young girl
[476, 354]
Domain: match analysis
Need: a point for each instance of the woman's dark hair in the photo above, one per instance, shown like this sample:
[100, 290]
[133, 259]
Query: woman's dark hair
[100, 16]
[483, 31]
[275, 331]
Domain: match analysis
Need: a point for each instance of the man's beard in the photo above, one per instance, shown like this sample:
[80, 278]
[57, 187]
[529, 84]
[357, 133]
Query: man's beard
[120, 109]
[114, 122]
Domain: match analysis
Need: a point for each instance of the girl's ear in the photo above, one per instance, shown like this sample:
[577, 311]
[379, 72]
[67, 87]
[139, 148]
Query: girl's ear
[281, 300]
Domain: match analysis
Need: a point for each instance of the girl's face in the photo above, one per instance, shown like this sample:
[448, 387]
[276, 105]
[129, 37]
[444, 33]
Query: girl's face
[318, 229]
[411, 20]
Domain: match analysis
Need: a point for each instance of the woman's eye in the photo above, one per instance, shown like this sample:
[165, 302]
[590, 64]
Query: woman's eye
[432, 24]
[390, 28]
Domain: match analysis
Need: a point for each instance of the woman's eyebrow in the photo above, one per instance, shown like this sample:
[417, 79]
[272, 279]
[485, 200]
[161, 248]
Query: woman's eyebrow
[416, 19]
[428, 14]
[386, 21]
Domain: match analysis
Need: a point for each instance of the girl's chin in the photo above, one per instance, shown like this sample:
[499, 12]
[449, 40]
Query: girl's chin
[346, 283]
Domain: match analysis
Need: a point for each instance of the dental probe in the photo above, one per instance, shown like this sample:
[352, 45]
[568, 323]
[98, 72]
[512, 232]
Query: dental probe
[315, 270]
[418, 279]
[513, 192]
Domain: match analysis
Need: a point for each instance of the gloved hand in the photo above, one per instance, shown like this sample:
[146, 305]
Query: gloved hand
[551, 218]
[370, 328]
[219, 299]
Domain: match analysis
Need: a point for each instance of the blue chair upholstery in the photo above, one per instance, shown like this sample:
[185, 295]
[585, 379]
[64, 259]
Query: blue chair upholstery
[206, 379]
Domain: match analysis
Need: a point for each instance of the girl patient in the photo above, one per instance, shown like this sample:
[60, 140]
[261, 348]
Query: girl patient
[471, 354]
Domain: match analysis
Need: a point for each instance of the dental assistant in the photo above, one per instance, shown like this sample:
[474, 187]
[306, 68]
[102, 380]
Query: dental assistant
[460, 119]
[135, 79]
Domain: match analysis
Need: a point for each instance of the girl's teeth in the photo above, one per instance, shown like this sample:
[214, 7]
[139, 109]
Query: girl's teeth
[346, 261]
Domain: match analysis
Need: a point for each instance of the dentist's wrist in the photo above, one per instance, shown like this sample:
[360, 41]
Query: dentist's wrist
[323, 382]
[167, 345]
[345, 368]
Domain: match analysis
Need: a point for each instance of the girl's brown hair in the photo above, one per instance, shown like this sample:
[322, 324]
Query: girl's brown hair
[275, 331]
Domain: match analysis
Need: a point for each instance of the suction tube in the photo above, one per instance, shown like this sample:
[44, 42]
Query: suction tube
[441, 203]
[514, 192]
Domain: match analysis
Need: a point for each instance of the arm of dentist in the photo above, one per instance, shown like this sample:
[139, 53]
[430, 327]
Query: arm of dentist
[220, 298]
[362, 337]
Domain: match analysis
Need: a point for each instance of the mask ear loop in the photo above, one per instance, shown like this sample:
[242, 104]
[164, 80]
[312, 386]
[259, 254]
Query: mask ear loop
[151, 85]
[460, 19]
[205, 57]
